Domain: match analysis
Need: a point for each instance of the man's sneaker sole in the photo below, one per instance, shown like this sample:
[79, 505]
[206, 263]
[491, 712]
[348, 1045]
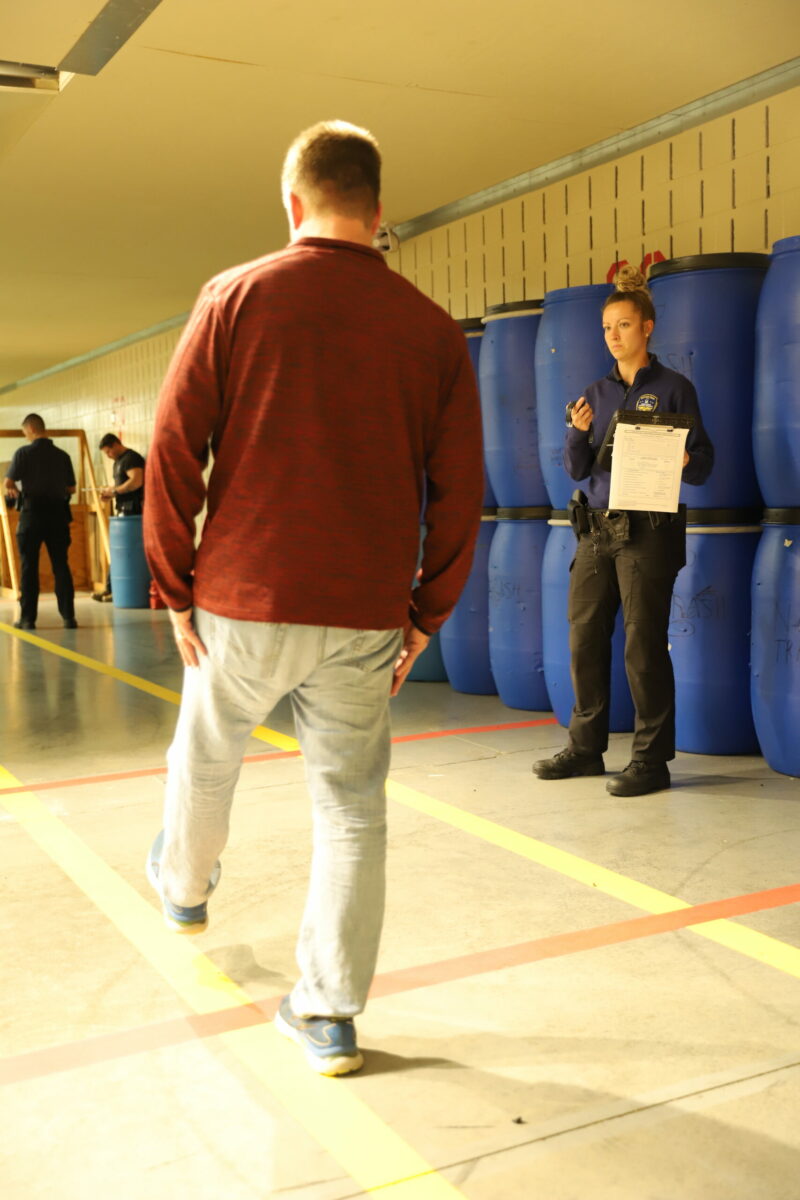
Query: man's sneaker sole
[188, 928]
[341, 1064]
[187, 921]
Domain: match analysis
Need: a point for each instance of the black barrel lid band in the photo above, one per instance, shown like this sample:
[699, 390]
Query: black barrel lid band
[523, 514]
[781, 516]
[710, 262]
[723, 516]
[513, 306]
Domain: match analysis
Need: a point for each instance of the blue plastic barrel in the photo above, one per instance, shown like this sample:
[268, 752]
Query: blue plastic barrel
[706, 329]
[709, 635]
[570, 354]
[473, 332]
[130, 575]
[776, 421]
[558, 555]
[429, 667]
[465, 636]
[775, 644]
[515, 607]
[508, 403]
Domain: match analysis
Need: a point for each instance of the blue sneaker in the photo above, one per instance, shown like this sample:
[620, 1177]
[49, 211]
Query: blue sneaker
[330, 1045]
[180, 920]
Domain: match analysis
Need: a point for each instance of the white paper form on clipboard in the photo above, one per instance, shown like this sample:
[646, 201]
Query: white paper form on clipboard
[646, 467]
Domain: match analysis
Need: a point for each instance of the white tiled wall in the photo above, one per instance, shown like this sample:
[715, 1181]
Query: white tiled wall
[113, 394]
[731, 184]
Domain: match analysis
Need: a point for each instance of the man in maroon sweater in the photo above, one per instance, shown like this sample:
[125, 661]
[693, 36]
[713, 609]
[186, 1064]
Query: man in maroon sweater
[336, 400]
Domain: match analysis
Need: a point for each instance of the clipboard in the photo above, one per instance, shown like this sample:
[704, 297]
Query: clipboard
[624, 416]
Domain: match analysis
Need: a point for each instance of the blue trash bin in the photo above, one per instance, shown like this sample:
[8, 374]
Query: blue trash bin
[130, 574]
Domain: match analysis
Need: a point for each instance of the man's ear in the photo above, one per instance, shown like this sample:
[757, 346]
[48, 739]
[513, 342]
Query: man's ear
[296, 210]
[376, 222]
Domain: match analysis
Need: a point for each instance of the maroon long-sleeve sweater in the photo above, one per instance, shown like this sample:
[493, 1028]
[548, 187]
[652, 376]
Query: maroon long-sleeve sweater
[334, 394]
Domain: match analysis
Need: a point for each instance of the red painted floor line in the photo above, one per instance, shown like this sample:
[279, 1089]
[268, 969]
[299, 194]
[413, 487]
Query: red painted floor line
[37, 1063]
[440, 733]
[561, 944]
[268, 756]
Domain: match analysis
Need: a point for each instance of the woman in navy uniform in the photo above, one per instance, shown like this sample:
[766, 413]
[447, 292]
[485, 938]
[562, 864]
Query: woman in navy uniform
[628, 557]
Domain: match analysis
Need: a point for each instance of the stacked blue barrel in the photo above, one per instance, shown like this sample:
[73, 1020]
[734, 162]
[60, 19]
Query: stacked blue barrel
[511, 445]
[429, 667]
[709, 633]
[570, 354]
[558, 555]
[515, 606]
[465, 636]
[775, 648]
[705, 329]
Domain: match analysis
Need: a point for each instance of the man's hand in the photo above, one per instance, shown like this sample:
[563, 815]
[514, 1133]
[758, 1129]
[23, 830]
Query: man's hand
[686, 458]
[582, 415]
[186, 638]
[106, 493]
[11, 489]
[414, 642]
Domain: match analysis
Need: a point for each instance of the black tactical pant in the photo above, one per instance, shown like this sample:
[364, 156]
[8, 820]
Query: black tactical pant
[639, 573]
[34, 529]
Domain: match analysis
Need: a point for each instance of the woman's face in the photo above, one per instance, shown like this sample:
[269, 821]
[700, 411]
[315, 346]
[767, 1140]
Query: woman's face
[625, 332]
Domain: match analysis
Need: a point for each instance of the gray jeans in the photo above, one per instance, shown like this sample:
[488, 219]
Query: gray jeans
[339, 682]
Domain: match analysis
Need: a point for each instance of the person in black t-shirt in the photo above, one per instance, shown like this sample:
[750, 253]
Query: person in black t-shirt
[41, 479]
[128, 490]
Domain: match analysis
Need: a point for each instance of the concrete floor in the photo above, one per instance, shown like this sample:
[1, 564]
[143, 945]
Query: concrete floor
[537, 1028]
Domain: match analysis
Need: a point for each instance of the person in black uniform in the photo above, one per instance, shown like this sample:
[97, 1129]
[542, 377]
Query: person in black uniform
[632, 557]
[128, 490]
[46, 481]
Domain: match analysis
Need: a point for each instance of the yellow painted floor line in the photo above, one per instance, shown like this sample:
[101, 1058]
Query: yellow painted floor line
[271, 736]
[364, 1146]
[748, 942]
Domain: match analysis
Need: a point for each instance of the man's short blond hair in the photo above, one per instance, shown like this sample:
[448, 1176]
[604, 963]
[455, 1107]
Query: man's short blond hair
[334, 167]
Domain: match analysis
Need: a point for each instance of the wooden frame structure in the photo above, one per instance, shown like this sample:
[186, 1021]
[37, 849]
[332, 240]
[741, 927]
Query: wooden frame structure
[85, 473]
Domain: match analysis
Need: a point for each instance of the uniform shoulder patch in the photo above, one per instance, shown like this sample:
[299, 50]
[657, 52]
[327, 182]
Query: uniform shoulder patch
[647, 402]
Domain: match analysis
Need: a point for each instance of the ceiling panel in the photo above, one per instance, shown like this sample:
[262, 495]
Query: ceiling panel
[42, 31]
[132, 187]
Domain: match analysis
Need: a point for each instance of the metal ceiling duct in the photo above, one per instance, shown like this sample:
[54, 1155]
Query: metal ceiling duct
[108, 33]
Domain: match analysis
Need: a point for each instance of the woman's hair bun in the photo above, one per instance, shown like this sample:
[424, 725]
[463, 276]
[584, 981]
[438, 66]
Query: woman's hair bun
[630, 279]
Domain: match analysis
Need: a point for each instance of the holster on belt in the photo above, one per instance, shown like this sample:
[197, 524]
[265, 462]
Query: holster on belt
[578, 513]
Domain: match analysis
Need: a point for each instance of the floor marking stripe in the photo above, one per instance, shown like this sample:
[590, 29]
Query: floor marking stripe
[367, 1149]
[281, 740]
[576, 941]
[269, 756]
[441, 733]
[758, 946]
[135, 681]
[72, 1055]
[753, 945]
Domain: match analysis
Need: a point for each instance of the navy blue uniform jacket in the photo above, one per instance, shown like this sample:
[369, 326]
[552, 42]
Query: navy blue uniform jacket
[655, 389]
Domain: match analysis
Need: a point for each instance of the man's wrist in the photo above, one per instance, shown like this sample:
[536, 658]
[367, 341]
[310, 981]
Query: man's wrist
[416, 623]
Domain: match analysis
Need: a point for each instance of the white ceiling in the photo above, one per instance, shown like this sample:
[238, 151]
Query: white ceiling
[121, 194]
